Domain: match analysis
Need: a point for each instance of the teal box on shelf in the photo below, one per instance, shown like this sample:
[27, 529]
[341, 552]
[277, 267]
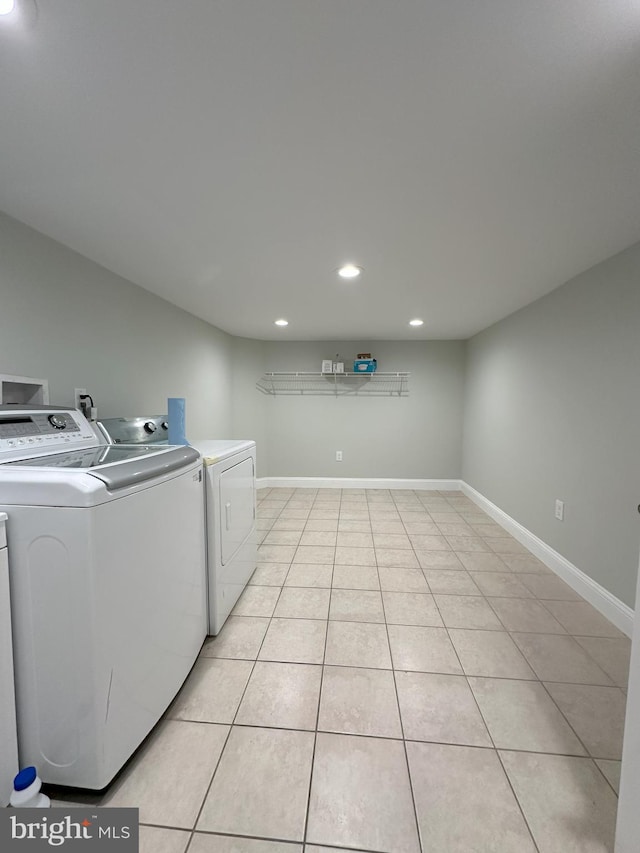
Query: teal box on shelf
[365, 365]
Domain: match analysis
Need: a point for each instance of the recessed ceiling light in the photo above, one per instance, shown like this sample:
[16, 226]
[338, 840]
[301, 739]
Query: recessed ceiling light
[416, 322]
[19, 14]
[349, 271]
[281, 322]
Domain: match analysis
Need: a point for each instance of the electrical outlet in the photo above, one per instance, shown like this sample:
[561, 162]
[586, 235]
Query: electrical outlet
[560, 510]
[77, 402]
[338, 456]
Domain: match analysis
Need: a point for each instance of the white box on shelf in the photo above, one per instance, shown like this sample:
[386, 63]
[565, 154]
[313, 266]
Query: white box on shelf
[327, 365]
[338, 367]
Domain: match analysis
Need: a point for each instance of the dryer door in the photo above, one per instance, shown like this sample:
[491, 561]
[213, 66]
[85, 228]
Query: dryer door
[237, 507]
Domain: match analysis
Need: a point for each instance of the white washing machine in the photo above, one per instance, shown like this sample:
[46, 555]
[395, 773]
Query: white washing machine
[232, 544]
[8, 731]
[108, 588]
[230, 499]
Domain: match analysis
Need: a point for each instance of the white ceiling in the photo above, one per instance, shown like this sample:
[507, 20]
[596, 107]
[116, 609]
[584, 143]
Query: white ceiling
[228, 155]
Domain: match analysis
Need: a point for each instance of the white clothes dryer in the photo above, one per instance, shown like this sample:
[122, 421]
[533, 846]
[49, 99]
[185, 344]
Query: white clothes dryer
[108, 588]
[230, 500]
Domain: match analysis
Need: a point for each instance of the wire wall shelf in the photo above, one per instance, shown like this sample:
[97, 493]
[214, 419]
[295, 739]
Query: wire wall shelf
[335, 384]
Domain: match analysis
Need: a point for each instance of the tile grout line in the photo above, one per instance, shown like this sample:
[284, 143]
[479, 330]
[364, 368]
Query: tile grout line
[488, 599]
[388, 669]
[497, 753]
[494, 748]
[404, 742]
[217, 764]
[315, 734]
[391, 739]
[608, 683]
[306, 817]
[580, 741]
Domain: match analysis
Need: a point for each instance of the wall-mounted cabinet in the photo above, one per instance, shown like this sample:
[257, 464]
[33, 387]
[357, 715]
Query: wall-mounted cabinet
[335, 384]
[23, 390]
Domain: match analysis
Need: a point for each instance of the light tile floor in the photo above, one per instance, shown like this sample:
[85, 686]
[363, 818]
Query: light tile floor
[399, 676]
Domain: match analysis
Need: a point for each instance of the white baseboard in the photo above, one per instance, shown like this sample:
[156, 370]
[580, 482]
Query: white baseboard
[611, 607]
[605, 602]
[357, 483]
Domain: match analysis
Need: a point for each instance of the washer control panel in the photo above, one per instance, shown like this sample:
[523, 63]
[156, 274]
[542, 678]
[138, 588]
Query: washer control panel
[25, 433]
[150, 429]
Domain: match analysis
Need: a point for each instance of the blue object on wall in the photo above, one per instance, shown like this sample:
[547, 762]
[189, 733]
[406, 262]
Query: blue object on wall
[176, 420]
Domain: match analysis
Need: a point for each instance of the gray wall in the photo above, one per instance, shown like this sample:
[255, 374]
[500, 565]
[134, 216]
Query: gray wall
[415, 436]
[68, 320]
[247, 403]
[553, 411]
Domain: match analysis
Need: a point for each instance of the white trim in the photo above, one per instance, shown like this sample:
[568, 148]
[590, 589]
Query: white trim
[357, 483]
[627, 824]
[611, 607]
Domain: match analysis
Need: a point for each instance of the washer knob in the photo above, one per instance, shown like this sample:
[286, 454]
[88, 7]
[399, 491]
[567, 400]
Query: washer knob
[150, 427]
[57, 421]
[165, 425]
